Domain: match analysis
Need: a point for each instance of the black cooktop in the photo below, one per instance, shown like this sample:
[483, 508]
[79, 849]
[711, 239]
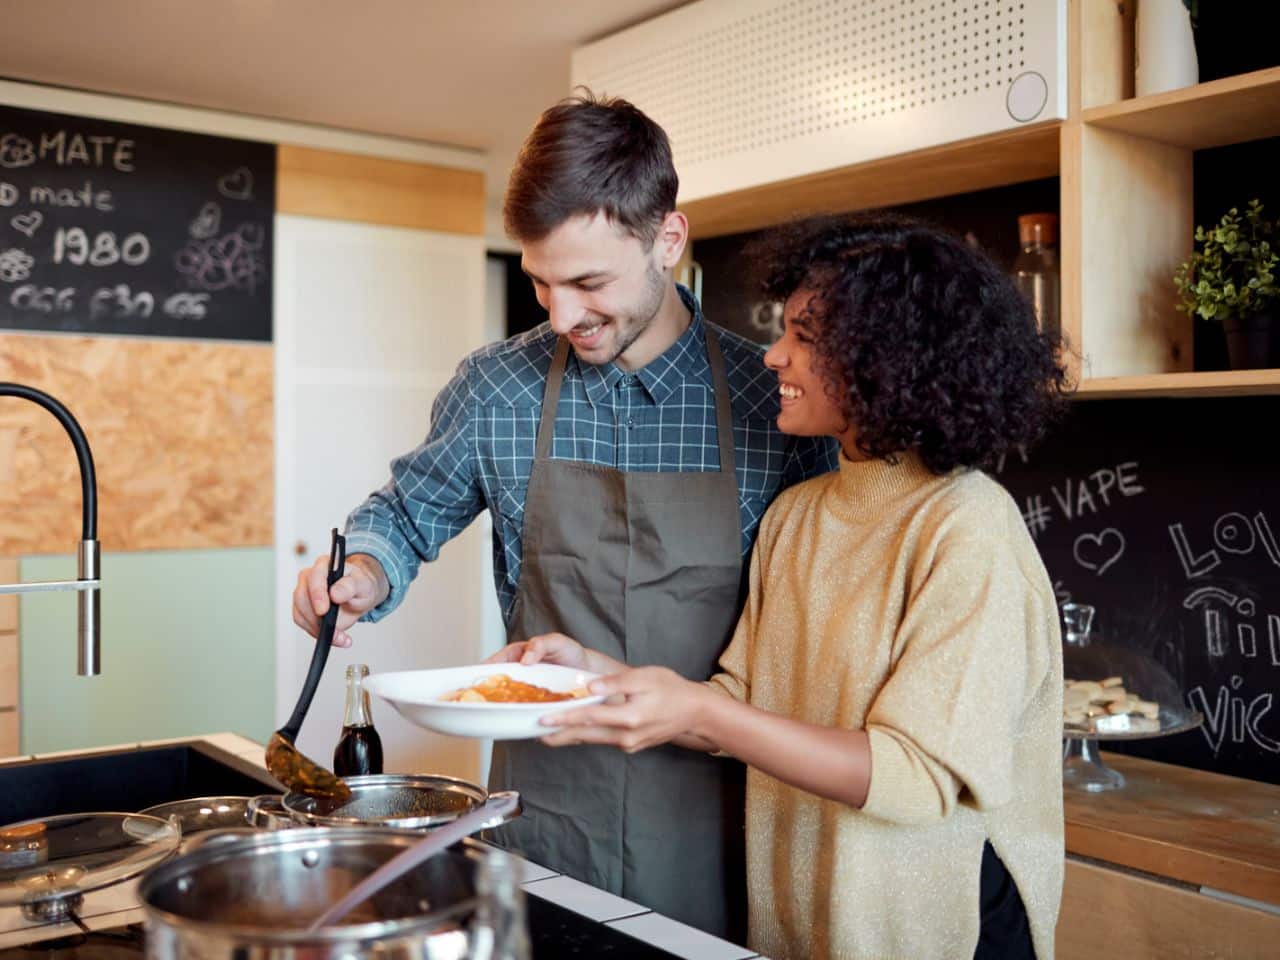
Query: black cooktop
[113, 943]
[554, 932]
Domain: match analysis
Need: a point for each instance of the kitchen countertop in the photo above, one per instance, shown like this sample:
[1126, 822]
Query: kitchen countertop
[1204, 829]
[1221, 834]
[116, 905]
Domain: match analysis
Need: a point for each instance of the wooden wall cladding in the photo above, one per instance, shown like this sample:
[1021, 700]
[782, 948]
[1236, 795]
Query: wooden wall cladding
[1106, 911]
[181, 433]
[345, 186]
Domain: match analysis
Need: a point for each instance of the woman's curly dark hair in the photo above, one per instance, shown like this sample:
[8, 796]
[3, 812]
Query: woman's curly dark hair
[922, 339]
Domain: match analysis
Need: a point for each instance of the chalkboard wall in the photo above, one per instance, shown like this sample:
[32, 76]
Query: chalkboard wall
[116, 228]
[1165, 516]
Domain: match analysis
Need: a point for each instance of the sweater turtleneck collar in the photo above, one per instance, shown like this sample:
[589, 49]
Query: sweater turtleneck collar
[868, 485]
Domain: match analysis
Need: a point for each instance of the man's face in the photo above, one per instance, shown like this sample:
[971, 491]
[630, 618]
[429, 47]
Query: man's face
[601, 287]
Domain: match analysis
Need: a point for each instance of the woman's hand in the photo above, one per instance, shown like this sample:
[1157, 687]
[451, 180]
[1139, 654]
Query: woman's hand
[545, 648]
[647, 706]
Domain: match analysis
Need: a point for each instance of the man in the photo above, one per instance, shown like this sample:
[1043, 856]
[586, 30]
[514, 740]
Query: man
[627, 451]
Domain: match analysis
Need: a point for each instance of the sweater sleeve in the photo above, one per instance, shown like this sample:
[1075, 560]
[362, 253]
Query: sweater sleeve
[945, 722]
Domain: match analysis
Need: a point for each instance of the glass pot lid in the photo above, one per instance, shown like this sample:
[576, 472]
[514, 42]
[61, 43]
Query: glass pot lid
[1114, 693]
[67, 856]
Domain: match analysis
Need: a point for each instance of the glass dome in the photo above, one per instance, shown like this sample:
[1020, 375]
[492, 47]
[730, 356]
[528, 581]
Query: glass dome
[1111, 692]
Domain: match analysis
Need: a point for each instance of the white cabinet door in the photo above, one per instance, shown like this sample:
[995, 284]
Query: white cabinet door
[371, 322]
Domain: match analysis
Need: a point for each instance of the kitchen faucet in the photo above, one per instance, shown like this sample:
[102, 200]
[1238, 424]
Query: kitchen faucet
[88, 574]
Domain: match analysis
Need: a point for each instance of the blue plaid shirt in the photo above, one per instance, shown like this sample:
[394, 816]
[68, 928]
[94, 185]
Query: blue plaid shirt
[479, 451]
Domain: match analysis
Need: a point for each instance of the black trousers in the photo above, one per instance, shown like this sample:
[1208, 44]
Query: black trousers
[1004, 933]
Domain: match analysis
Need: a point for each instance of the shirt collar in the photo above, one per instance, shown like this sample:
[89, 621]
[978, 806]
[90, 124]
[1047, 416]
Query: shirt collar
[661, 377]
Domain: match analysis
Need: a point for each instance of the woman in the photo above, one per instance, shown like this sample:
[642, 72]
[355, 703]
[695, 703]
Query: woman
[895, 680]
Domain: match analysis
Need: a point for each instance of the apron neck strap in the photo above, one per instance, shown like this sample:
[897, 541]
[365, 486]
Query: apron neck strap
[551, 400]
[720, 386]
[724, 407]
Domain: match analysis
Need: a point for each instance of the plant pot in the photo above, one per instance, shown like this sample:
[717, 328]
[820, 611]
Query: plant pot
[1235, 38]
[1253, 342]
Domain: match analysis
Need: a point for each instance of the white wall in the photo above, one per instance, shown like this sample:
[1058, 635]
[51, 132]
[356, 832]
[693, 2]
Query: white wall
[371, 323]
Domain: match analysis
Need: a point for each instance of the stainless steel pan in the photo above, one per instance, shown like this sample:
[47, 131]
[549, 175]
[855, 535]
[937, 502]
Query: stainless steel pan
[402, 801]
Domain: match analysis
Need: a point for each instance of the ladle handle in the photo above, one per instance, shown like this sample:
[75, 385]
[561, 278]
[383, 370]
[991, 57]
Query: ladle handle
[328, 623]
[493, 811]
[318, 659]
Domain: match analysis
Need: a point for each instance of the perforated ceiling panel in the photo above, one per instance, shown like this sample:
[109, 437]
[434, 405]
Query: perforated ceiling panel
[754, 91]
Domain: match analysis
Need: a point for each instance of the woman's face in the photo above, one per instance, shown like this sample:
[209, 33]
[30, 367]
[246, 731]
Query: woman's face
[809, 408]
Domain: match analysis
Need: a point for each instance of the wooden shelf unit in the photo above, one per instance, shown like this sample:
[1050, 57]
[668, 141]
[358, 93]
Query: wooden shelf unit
[997, 160]
[1125, 177]
[1222, 383]
[1214, 114]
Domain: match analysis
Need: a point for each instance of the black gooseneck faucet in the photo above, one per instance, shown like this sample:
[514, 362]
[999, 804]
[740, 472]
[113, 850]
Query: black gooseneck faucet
[88, 555]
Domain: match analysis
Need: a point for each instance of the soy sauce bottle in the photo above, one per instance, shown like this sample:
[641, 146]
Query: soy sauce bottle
[359, 749]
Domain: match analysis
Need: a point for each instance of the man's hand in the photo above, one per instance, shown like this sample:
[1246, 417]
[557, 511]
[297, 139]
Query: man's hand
[363, 586]
[647, 706]
[545, 648]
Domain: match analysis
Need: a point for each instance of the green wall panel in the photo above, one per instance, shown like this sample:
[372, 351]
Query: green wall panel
[188, 647]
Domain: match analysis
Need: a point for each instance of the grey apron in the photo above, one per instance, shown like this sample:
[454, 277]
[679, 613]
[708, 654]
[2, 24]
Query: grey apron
[645, 567]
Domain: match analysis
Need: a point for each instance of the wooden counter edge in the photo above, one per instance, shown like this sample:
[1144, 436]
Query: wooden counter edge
[1135, 840]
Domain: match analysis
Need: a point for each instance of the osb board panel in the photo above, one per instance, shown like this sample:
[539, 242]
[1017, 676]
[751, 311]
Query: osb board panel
[343, 186]
[8, 733]
[8, 601]
[181, 433]
[8, 670]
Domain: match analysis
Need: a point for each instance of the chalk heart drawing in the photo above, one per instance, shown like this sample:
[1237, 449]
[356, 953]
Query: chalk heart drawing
[1098, 551]
[237, 185]
[28, 223]
[206, 222]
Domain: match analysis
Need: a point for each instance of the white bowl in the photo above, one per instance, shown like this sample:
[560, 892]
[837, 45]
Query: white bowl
[416, 695]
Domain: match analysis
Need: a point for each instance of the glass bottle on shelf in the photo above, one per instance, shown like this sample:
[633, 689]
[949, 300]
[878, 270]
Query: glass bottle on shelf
[359, 749]
[1035, 270]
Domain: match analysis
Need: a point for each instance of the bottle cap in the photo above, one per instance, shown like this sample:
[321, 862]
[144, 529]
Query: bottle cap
[1039, 228]
[357, 670]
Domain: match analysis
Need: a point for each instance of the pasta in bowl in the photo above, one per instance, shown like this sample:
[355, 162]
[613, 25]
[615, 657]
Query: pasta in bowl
[498, 701]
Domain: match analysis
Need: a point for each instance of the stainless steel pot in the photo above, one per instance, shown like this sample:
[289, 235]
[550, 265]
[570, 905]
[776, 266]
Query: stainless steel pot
[250, 897]
[402, 801]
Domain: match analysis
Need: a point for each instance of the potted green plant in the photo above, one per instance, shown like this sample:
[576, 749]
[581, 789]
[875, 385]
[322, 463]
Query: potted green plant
[1231, 279]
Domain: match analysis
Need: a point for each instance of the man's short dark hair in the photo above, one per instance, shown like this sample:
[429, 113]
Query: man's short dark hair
[586, 155]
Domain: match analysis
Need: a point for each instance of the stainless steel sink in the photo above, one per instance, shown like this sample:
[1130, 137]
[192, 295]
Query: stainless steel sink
[125, 781]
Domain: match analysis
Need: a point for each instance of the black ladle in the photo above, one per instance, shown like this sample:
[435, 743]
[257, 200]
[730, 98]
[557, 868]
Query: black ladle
[291, 767]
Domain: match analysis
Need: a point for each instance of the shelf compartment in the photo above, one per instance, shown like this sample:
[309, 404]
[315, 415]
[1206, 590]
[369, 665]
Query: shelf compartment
[1215, 114]
[1014, 156]
[1219, 383]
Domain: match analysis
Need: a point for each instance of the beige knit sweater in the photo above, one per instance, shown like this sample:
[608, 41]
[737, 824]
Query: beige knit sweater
[916, 606]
